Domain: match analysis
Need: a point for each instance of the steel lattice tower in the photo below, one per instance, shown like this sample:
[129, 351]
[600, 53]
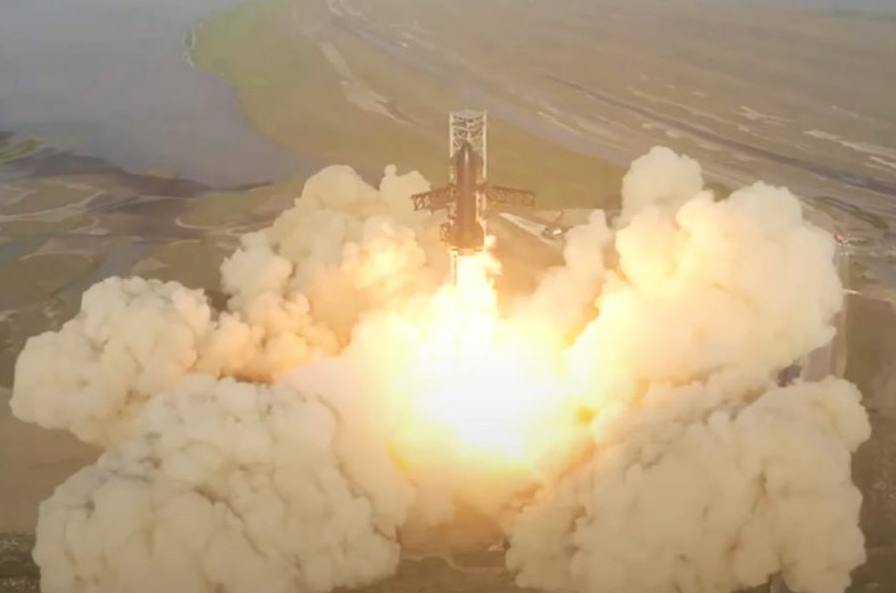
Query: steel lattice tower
[468, 126]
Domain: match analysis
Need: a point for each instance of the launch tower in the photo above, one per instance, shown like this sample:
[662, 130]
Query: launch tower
[469, 197]
[468, 126]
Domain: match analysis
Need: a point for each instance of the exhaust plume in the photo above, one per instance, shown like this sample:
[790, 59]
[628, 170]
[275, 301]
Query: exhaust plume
[621, 424]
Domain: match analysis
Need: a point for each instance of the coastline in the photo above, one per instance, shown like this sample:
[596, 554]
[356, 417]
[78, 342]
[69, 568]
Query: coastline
[316, 77]
[314, 87]
[140, 105]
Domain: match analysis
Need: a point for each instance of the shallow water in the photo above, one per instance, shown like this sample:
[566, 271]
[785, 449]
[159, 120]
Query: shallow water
[110, 78]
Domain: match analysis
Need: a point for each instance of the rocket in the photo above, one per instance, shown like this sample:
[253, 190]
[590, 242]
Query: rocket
[468, 200]
[466, 234]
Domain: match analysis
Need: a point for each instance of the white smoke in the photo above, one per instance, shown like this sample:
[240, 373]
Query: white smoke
[743, 285]
[228, 486]
[659, 178]
[341, 252]
[690, 495]
[274, 445]
[132, 339]
[565, 297]
[703, 475]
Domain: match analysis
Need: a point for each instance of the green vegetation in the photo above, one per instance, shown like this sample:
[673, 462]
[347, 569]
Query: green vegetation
[271, 52]
[29, 279]
[37, 195]
[19, 229]
[230, 209]
[217, 210]
[16, 150]
[193, 263]
[290, 92]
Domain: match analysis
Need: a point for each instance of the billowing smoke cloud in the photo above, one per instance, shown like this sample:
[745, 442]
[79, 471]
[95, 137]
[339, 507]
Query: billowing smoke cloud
[660, 178]
[687, 494]
[622, 423]
[228, 485]
[564, 299]
[342, 250]
[133, 338]
[704, 476]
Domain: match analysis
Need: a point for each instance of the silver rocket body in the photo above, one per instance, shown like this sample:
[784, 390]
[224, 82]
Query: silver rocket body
[465, 232]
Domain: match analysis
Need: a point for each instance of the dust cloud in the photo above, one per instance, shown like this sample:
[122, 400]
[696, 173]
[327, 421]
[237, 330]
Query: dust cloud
[622, 424]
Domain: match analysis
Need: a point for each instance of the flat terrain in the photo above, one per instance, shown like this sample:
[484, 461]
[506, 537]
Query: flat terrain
[791, 96]
[788, 94]
[575, 89]
[318, 88]
[110, 79]
[61, 233]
